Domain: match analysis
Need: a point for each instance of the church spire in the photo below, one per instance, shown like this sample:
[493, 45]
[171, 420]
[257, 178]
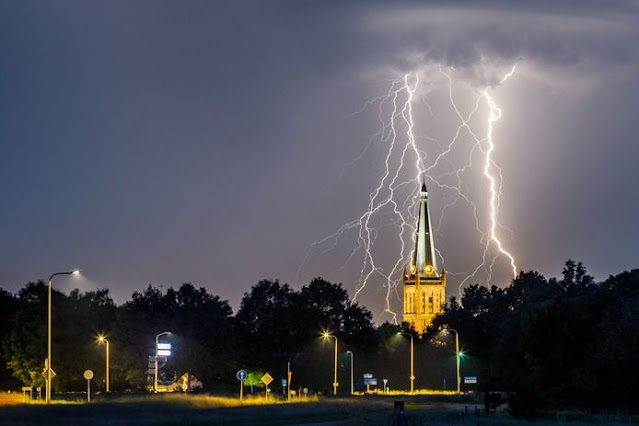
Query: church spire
[424, 284]
[424, 260]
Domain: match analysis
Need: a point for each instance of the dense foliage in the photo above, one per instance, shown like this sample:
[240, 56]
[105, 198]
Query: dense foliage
[554, 343]
[550, 343]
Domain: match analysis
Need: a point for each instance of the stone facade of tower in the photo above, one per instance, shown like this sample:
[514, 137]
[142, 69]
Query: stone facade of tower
[424, 284]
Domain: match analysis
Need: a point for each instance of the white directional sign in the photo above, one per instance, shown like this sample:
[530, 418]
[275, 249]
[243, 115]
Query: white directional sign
[164, 346]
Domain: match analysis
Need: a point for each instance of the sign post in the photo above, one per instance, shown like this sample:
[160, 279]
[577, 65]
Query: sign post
[288, 376]
[88, 374]
[369, 380]
[267, 379]
[26, 389]
[241, 376]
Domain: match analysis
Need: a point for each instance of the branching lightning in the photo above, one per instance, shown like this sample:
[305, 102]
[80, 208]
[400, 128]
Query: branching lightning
[408, 160]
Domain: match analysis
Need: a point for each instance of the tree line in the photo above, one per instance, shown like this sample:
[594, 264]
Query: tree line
[550, 343]
[554, 343]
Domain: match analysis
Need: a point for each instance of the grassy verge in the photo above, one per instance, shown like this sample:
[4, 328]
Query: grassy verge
[203, 409]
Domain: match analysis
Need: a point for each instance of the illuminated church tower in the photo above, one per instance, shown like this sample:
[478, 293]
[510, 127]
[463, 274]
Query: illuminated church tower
[424, 283]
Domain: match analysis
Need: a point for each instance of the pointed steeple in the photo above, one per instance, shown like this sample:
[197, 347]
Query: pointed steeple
[424, 259]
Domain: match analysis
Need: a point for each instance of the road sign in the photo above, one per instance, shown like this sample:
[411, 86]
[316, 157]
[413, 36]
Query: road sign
[45, 375]
[164, 346]
[267, 379]
[470, 380]
[371, 381]
[241, 375]
[88, 374]
[368, 376]
[284, 381]
[164, 352]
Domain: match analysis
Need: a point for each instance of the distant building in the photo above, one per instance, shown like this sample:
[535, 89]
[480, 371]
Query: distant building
[424, 283]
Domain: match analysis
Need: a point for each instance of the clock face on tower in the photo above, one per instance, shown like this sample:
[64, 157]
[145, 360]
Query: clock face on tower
[428, 269]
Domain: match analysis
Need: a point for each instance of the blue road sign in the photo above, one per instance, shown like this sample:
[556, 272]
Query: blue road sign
[241, 375]
[284, 381]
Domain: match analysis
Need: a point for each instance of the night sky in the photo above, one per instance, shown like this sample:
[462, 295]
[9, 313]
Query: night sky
[214, 142]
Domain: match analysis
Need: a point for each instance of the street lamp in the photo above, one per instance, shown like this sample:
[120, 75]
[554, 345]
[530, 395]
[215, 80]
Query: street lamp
[352, 387]
[457, 355]
[157, 342]
[102, 339]
[412, 375]
[335, 384]
[49, 364]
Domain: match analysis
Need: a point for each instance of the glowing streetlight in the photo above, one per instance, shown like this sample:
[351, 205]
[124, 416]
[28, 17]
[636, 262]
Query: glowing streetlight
[457, 355]
[412, 375]
[102, 339]
[157, 353]
[335, 384]
[352, 387]
[49, 363]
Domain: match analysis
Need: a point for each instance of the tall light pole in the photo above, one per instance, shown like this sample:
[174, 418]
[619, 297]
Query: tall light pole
[49, 363]
[102, 339]
[352, 387]
[157, 342]
[412, 374]
[457, 354]
[335, 384]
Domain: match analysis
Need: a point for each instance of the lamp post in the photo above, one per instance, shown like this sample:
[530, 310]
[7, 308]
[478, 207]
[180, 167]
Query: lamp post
[456, 356]
[49, 364]
[157, 342]
[352, 387]
[335, 384]
[412, 374]
[102, 339]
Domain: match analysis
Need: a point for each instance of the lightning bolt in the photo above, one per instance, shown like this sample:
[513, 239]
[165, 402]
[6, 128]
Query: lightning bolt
[407, 161]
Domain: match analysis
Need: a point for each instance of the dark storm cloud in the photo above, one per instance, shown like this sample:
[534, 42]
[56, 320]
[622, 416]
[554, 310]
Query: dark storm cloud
[555, 34]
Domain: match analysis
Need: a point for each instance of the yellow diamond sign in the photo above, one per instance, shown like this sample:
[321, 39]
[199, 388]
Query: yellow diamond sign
[267, 379]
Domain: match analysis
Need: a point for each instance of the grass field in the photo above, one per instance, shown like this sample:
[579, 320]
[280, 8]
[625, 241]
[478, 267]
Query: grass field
[201, 409]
